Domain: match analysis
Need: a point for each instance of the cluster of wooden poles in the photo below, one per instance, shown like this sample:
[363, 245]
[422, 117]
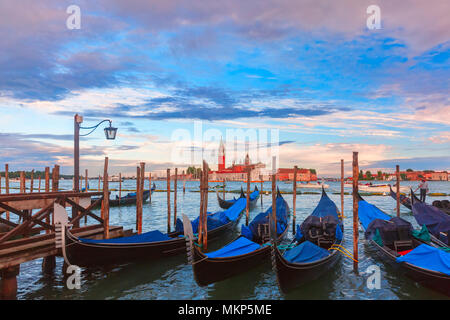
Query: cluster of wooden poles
[202, 233]
[22, 186]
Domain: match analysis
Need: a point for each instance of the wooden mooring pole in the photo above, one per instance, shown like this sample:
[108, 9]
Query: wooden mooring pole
[86, 181]
[105, 200]
[342, 188]
[150, 187]
[223, 189]
[141, 195]
[175, 198]
[355, 211]
[261, 191]
[47, 189]
[294, 199]
[168, 200]
[49, 263]
[205, 205]
[247, 206]
[397, 173]
[184, 183]
[9, 283]
[7, 186]
[120, 186]
[138, 185]
[274, 203]
[22, 182]
[200, 220]
[31, 181]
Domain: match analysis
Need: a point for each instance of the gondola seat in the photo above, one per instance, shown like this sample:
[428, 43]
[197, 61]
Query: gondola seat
[403, 245]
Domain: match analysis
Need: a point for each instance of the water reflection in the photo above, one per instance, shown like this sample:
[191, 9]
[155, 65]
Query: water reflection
[172, 278]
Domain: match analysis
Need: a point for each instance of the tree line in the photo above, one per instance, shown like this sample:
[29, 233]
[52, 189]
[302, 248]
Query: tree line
[36, 175]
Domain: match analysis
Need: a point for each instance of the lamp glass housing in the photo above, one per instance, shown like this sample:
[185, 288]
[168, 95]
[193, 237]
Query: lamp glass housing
[110, 133]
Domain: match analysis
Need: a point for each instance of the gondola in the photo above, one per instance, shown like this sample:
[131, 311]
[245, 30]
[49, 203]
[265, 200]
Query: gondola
[404, 200]
[313, 255]
[149, 245]
[128, 199]
[436, 221]
[225, 204]
[407, 201]
[428, 264]
[249, 250]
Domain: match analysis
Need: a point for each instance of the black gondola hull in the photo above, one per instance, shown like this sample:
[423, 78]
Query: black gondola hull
[208, 271]
[293, 275]
[88, 254]
[427, 278]
[224, 204]
[125, 201]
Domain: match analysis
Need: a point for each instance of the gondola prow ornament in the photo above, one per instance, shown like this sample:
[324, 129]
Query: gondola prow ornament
[61, 222]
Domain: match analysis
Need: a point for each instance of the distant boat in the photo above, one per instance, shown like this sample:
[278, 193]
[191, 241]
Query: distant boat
[381, 188]
[253, 197]
[310, 185]
[129, 199]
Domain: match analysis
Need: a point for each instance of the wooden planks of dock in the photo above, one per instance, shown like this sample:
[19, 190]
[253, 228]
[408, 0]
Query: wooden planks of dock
[15, 252]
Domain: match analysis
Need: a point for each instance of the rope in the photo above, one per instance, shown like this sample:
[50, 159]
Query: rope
[286, 246]
[344, 251]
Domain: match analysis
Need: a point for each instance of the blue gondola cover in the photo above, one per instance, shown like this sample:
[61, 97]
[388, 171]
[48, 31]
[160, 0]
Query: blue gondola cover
[368, 212]
[434, 219]
[427, 257]
[151, 236]
[241, 245]
[305, 252]
[217, 219]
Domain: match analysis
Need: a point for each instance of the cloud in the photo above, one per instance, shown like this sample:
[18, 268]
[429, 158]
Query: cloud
[418, 163]
[443, 138]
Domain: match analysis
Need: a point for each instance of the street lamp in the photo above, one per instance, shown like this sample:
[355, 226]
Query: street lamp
[110, 134]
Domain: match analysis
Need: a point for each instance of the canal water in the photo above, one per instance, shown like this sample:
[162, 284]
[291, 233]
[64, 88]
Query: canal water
[172, 278]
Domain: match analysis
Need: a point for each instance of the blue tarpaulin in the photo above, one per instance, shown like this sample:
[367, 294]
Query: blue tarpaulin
[217, 219]
[254, 195]
[240, 246]
[325, 207]
[151, 236]
[235, 210]
[368, 212]
[305, 252]
[298, 233]
[427, 257]
[434, 219]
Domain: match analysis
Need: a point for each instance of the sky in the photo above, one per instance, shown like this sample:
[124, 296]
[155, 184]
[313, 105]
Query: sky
[309, 75]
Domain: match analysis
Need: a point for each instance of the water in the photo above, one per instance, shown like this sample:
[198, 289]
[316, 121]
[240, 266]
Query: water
[172, 278]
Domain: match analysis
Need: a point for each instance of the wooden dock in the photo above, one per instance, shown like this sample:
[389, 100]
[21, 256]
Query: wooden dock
[32, 236]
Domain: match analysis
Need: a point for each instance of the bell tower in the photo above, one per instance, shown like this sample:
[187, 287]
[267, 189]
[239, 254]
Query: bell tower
[221, 155]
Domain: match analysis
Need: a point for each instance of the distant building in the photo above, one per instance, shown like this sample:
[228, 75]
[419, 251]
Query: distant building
[302, 174]
[439, 176]
[238, 172]
[418, 175]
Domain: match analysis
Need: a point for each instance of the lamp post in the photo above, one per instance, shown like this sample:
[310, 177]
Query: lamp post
[110, 133]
